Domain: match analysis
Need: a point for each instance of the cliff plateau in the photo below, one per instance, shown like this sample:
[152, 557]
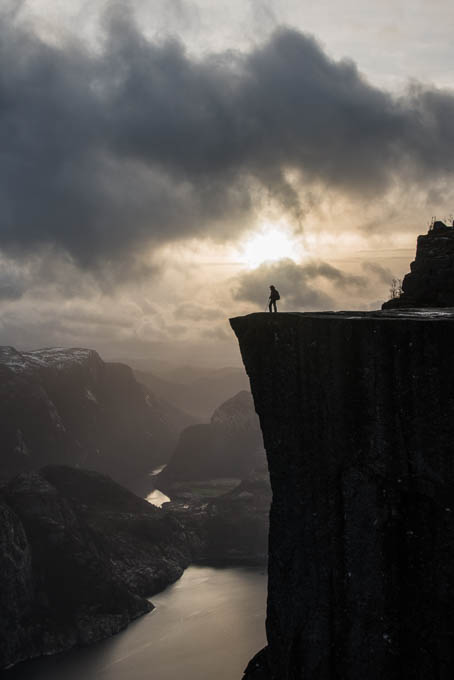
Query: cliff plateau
[356, 411]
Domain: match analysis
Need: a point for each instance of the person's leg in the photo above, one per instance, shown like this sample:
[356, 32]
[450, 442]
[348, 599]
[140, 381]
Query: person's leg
[269, 306]
[274, 305]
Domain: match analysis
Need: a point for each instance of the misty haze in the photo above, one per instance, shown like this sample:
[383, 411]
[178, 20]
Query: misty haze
[208, 468]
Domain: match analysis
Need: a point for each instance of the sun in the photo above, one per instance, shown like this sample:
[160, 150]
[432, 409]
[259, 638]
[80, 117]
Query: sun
[268, 245]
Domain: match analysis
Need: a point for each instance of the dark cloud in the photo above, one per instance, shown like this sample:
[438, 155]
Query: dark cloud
[103, 152]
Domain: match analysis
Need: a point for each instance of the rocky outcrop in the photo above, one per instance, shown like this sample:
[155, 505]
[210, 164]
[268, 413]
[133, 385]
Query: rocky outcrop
[67, 406]
[229, 446]
[430, 282]
[356, 411]
[79, 554]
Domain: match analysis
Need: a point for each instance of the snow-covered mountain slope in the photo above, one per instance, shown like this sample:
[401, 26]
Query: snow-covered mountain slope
[68, 406]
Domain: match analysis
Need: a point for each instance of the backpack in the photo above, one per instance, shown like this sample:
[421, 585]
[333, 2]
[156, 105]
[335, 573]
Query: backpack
[276, 295]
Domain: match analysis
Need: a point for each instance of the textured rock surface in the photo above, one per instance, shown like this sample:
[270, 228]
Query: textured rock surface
[79, 553]
[67, 406]
[430, 282]
[229, 446]
[356, 411]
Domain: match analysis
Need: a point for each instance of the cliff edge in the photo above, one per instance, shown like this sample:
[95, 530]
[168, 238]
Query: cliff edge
[356, 413]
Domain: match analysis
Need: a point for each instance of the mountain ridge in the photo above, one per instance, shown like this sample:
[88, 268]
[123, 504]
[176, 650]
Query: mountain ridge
[66, 405]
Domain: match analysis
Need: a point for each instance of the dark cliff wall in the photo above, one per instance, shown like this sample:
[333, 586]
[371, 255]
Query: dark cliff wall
[357, 418]
[430, 283]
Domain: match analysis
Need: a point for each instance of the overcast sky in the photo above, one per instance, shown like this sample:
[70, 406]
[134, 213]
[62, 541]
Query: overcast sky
[163, 162]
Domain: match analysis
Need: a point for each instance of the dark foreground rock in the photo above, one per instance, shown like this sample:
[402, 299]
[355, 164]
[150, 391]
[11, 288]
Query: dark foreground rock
[67, 406]
[430, 282]
[78, 556]
[357, 412]
[258, 667]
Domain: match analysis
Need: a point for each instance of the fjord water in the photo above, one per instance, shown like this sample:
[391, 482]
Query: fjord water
[208, 624]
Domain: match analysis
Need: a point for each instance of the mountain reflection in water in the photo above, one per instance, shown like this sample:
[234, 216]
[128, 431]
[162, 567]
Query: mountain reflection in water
[207, 624]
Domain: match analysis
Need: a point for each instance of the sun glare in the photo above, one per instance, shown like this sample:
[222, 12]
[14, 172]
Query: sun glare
[268, 245]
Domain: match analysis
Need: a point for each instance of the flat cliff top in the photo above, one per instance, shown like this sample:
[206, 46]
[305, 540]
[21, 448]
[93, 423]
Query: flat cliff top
[415, 314]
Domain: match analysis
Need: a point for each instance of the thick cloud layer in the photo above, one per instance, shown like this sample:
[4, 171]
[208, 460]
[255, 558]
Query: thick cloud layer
[104, 153]
[301, 284]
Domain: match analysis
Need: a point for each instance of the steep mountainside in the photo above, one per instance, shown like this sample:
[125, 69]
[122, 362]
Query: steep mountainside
[78, 555]
[430, 282]
[200, 395]
[357, 412]
[68, 406]
[229, 446]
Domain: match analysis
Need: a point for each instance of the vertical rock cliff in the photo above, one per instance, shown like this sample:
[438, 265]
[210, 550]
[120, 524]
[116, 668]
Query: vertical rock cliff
[356, 411]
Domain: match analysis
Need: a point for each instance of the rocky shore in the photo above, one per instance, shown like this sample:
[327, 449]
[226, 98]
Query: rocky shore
[79, 555]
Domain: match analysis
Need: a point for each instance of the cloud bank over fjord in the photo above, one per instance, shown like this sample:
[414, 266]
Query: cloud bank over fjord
[106, 153]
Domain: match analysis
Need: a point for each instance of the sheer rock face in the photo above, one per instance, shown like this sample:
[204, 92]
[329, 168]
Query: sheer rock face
[67, 406]
[356, 411]
[430, 282]
[79, 554]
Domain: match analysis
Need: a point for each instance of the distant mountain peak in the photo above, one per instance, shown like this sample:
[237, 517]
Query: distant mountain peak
[66, 405]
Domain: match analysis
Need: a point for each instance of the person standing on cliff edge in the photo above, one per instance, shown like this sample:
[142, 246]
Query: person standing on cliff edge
[274, 296]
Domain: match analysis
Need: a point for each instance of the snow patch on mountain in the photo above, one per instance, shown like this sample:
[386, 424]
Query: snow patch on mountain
[55, 357]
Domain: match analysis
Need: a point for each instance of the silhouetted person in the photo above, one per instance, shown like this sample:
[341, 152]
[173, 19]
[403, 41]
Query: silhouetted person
[274, 295]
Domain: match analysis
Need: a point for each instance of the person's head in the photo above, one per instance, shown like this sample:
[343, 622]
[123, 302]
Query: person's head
[271, 287]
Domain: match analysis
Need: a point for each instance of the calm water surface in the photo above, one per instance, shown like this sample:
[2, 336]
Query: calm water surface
[157, 498]
[207, 625]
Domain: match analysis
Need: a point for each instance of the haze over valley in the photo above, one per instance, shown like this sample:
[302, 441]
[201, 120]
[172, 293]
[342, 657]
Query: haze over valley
[166, 166]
